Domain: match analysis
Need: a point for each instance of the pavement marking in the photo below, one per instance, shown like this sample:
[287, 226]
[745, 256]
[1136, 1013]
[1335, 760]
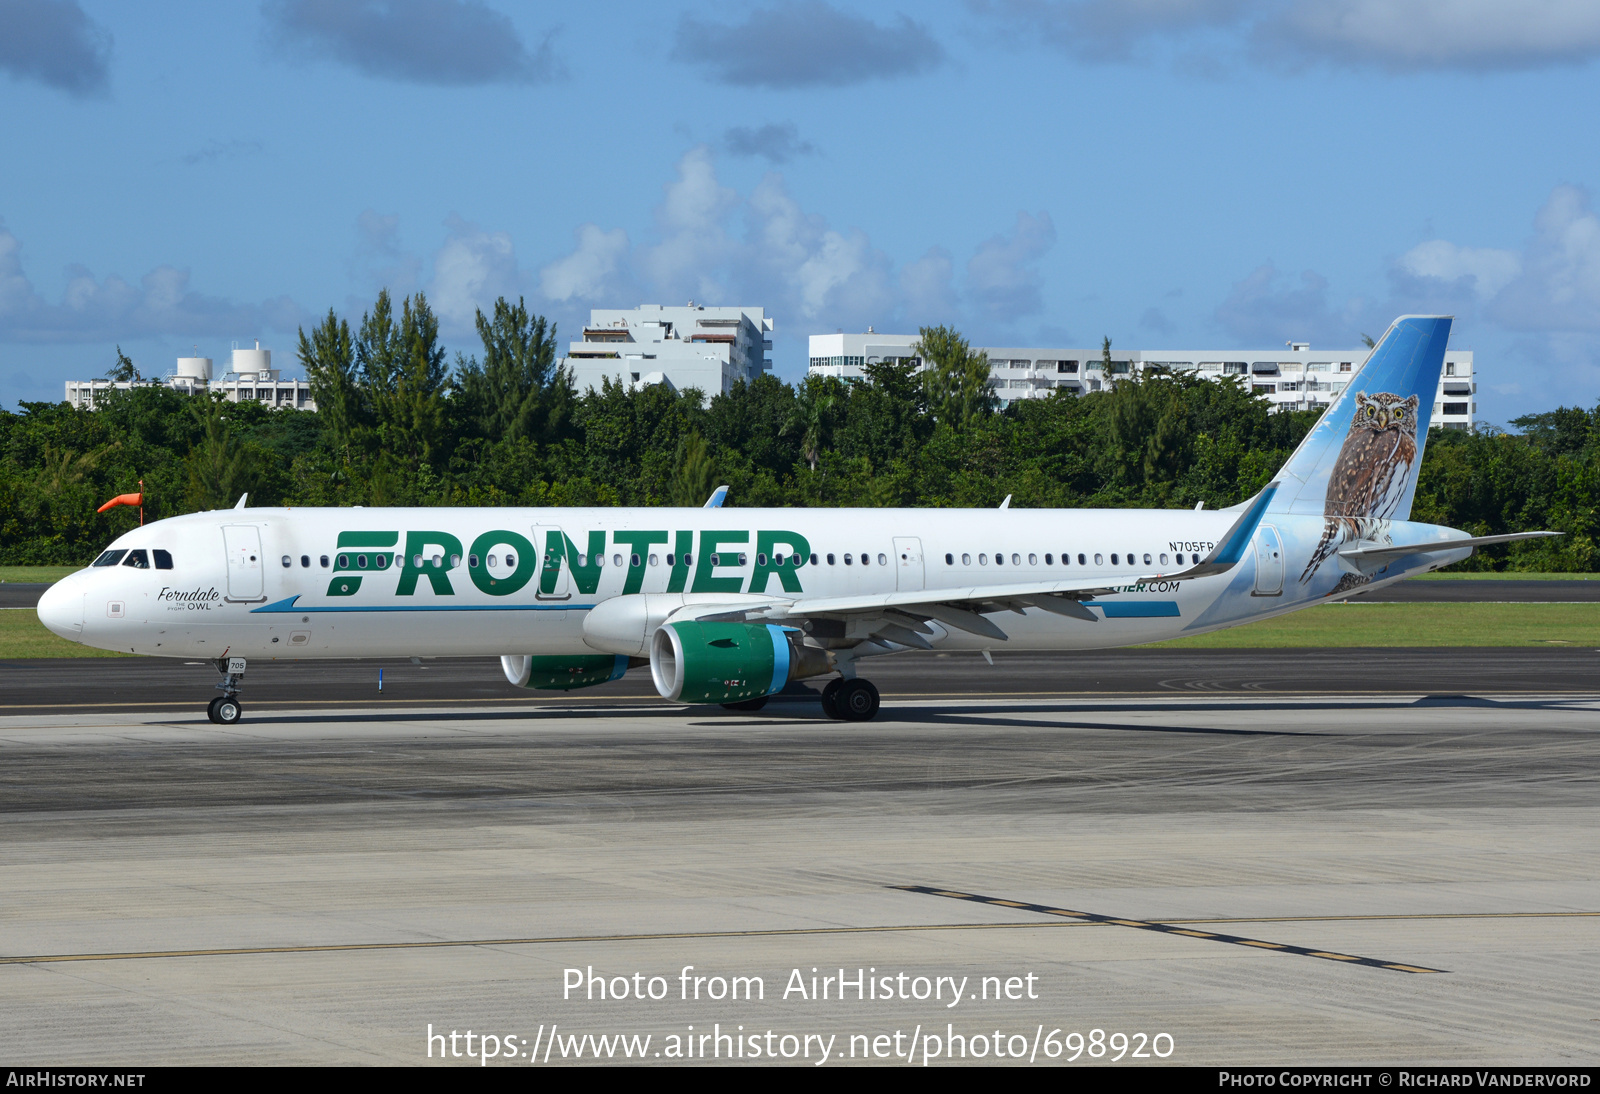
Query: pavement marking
[239, 951]
[1080, 919]
[1168, 928]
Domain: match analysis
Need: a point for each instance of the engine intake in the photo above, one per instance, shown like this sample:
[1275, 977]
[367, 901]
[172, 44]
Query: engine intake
[693, 662]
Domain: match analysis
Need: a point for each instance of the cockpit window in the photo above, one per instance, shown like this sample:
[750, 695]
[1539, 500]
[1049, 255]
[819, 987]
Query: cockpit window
[110, 558]
[138, 560]
[163, 558]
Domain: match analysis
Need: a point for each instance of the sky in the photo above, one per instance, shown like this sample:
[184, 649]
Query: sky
[1167, 173]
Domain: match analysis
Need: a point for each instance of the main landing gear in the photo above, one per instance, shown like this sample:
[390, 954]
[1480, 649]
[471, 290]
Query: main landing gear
[853, 700]
[225, 709]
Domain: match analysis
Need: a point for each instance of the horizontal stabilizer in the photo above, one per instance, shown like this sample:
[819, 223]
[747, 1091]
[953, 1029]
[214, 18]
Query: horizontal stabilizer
[1368, 557]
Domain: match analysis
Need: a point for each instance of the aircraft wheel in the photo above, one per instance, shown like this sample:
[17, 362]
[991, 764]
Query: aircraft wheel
[226, 711]
[830, 699]
[211, 708]
[857, 700]
[748, 704]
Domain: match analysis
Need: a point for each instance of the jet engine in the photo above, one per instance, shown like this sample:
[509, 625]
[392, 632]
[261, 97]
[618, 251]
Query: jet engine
[693, 662]
[565, 673]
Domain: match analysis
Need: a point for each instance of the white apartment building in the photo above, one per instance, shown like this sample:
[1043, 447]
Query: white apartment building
[1294, 377]
[692, 346]
[252, 379]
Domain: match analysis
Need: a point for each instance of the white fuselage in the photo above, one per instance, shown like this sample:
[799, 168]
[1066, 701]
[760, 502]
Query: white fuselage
[323, 583]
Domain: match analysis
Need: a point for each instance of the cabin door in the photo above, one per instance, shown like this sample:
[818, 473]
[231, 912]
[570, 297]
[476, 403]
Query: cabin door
[909, 577]
[243, 544]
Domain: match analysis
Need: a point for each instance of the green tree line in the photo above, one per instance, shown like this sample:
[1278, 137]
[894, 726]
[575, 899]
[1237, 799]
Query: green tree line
[399, 423]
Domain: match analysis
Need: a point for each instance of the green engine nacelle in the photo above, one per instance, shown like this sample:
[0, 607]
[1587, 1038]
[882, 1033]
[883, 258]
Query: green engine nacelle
[729, 662]
[563, 673]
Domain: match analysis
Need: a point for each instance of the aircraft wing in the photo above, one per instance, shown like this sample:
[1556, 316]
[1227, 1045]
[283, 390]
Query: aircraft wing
[902, 617]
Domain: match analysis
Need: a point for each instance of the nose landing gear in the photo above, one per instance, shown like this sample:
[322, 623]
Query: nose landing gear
[225, 709]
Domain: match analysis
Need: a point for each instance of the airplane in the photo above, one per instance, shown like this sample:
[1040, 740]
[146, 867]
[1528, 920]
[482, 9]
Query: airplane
[728, 606]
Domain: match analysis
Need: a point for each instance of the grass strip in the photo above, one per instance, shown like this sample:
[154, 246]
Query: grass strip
[1358, 624]
[22, 635]
[36, 574]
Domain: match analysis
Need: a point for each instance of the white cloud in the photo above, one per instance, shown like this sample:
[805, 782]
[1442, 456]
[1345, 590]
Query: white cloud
[1424, 34]
[1002, 276]
[1396, 35]
[694, 238]
[1559, 286]
[470, 271]
[1269, 307]
[95, 309]
[592, 272]
[1485, 270]
[806, 43]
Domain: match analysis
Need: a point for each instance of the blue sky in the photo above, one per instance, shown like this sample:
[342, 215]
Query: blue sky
[1171, 173]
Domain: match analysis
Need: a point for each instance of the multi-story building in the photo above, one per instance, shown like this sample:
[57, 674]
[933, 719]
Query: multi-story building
[252, 379]
[1292, 378]
[688, 347]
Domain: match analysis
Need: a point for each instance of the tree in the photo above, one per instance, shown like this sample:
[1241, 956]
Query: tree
[220, 467]
[956, 380]
[508, 394]
[812, 417]
[328, 357]
[124, 371]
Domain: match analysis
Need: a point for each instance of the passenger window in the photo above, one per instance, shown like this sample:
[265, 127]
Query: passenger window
[866, 559]
[688, 559]
[847, 559]
[1147, 560]
[761, 559]
[949, 560]
[138, 560]
[455, 561]
[616, 560]
[1033, 560]
[1081, 562]
[361, 562]
[633, 560]
[1179, 558]
[830, 560]
[163, 558]
[983, 559]
[744, 559]
[1163, 560]
[110, 558]
[999, 559]
[670, 558]
[655, 560]
[1113, 558]
[1099, 560]
[814, 558]
[324, 562]
[966, 560]
[305, 561]
[883, 559]
[511, 561]
[1016, 560]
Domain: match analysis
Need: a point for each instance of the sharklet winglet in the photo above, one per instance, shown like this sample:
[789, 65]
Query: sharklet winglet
[277, 606]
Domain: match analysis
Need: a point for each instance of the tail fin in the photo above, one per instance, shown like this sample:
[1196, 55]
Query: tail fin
[1361, 461]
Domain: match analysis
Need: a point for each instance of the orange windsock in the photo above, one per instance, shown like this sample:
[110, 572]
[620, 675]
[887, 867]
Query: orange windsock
[122, 499]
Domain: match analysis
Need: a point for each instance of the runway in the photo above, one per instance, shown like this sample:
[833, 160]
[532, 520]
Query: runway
[1264, 879]
[152, 684]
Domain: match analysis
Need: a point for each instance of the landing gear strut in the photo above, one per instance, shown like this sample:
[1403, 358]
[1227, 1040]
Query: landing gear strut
[854, 700]
[225, 709]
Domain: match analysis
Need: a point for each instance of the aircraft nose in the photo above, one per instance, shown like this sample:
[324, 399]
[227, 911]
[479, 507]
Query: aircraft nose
[61, 608]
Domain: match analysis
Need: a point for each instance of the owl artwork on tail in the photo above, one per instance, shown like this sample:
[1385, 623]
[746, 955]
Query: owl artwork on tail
[1371, 474]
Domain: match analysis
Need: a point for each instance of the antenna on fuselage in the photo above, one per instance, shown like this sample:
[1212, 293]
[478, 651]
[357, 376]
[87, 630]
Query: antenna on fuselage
[1007, 503]
[242, 499]
[718, 496]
